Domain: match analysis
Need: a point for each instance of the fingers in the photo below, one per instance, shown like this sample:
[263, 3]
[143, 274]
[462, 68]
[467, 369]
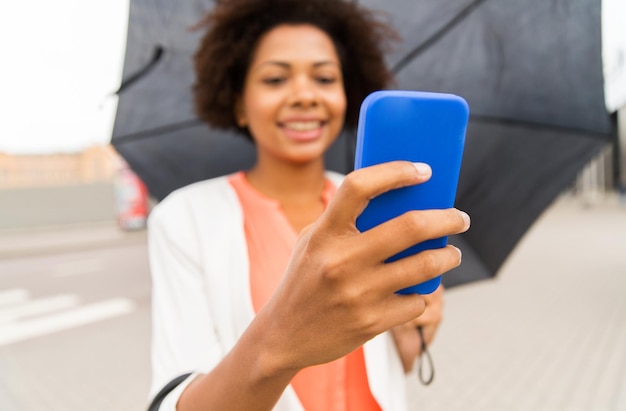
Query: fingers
[411, 228]
[406, 336]
[408, 344]
[395, 235]
[403, 311]
[433, 314]
[362, 185]
[415, 269]
[403, 308]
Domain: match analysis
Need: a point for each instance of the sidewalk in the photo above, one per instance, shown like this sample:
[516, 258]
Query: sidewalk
[45, 240]
[549, 333]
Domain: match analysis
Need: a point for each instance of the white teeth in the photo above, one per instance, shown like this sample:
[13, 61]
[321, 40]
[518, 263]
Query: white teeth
[303, 125]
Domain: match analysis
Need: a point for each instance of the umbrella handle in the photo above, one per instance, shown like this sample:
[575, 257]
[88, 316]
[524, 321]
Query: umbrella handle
[426, 373]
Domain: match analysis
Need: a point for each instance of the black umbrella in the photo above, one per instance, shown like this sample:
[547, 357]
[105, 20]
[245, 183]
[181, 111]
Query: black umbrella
[530, 70]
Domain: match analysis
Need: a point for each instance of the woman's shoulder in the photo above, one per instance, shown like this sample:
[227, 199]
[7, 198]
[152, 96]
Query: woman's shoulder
[200, 196]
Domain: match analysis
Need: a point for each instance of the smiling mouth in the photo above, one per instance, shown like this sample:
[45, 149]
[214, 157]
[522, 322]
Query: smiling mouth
[303, 125]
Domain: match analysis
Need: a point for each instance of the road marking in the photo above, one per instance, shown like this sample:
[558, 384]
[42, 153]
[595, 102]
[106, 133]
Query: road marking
[13, 296]
[37, 327]
[37, 307]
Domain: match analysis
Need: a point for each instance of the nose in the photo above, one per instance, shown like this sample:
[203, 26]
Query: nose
[303, 92]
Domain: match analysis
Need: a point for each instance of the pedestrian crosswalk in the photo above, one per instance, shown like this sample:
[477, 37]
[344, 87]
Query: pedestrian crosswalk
[23, 316]
[28, 308]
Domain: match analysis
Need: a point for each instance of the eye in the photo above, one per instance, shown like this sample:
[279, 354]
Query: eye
[326, 79]
[274, 80]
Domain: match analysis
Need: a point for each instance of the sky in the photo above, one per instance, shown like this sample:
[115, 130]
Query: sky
[614, 53]
[59, 63]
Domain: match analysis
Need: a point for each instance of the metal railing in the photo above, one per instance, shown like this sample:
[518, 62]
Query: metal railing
[606, 173]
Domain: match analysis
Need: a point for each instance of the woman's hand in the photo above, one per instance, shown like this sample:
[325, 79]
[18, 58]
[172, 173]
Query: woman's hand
[407, 338]
[337, 292]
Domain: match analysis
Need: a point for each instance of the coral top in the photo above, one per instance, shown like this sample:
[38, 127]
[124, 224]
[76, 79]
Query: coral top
[340, 385]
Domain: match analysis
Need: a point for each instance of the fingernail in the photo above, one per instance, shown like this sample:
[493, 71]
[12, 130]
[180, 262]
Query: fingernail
[466, 219]
[460, 254]
[423, 169]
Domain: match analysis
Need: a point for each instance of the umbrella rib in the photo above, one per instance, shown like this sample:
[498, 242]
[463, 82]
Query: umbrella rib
[157, 54]
[153, 132]
[436, 36]
[536, 125]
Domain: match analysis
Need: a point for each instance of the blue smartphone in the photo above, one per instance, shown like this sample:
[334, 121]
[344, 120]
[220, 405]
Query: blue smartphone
[418, 127]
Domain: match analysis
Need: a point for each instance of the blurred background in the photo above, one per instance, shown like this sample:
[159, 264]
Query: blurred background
[548, 333]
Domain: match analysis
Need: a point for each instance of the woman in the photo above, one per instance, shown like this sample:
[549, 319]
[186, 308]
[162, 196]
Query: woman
[262, 286]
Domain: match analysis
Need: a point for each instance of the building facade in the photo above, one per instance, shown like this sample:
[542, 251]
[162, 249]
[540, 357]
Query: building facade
[94, 165]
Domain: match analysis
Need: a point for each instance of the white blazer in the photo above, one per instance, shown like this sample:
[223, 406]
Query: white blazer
[201, 301]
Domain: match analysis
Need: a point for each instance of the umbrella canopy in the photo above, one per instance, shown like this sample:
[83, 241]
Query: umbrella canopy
[531, 72]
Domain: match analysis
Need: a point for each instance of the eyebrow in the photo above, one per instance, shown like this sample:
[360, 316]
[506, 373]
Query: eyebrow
[288, 65]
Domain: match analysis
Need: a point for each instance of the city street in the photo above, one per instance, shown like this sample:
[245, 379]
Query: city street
[548, 334]
[74, 330]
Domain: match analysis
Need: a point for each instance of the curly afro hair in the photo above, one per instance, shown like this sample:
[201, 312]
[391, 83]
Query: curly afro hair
[234, 28]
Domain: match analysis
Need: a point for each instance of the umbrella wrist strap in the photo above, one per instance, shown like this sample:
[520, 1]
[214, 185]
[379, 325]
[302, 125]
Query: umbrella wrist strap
[425, 365]
[155, 404]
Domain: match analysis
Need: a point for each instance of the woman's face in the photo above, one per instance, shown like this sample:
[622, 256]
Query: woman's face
[293, 101]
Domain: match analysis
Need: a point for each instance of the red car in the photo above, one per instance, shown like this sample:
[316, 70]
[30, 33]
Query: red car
[132, 202]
